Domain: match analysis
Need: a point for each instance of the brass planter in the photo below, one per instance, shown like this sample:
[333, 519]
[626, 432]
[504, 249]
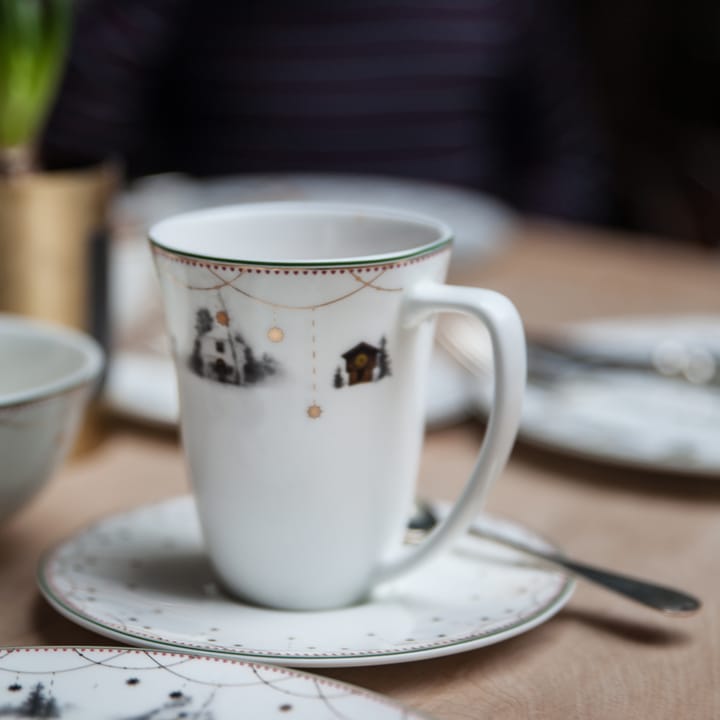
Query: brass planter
[53, 257]
[53, 246]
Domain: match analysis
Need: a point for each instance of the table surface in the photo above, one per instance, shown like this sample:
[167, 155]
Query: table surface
[601, 656]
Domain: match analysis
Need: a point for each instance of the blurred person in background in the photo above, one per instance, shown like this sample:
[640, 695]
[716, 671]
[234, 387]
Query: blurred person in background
[487, 94]
[656, 67]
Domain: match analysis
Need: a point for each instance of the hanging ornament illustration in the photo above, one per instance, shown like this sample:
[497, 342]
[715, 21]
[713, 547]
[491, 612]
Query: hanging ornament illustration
[314, 411]
[221, 353]
[275, 334]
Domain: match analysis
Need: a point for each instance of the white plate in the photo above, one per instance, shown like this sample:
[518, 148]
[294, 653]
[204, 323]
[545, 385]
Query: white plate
[132, 684]
[142, 578]
[141, 381]
[634, 419]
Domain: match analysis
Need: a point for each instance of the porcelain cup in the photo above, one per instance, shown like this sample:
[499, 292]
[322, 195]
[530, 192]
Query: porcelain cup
[47, 375]
[302, 336]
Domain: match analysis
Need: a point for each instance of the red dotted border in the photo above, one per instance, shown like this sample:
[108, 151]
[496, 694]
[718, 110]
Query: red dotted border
[273, 270]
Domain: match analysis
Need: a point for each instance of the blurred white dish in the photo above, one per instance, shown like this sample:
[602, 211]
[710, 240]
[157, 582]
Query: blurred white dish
[46, 375]
[479, 221]
[96, 683]
[141, 381]
[142, 386]
[637, 419]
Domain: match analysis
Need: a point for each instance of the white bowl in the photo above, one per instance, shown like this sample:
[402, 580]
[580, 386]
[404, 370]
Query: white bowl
[47, 375]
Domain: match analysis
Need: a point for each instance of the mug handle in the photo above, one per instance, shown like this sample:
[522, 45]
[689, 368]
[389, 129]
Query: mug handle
[503, 322]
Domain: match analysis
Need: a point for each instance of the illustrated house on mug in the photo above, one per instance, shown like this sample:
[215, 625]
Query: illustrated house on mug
[219, 355]
[360, 363]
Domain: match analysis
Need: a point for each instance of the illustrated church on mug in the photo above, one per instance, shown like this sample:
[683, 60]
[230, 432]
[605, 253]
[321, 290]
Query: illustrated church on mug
[217, 355]
[221, 354]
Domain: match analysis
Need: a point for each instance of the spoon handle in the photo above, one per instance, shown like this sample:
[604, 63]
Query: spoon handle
[673, 602]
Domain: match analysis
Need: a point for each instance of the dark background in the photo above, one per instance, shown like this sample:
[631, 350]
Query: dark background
[656, 69]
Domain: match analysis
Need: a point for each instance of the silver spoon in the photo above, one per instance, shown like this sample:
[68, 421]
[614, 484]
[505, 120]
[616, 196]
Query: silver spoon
[672, 602]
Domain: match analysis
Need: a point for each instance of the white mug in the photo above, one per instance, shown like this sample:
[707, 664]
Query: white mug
[302, 336]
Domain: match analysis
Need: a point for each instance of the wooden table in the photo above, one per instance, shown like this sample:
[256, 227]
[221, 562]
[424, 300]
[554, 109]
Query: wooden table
[601, 657]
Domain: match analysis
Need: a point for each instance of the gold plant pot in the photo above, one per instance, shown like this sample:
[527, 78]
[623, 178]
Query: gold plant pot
[53, 245]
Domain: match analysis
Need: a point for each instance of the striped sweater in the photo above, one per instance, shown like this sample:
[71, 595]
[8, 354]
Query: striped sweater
[482, 93]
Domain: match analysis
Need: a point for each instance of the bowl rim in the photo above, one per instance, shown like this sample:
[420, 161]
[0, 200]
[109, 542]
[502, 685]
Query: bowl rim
[87, 371]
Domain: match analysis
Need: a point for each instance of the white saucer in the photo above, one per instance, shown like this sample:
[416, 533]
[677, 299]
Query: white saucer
[142, 578]
[123, 684]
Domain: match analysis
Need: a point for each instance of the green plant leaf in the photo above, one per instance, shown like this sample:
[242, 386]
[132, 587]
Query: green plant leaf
[33, 43]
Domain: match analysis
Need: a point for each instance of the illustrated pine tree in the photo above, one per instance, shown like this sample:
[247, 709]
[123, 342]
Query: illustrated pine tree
[384, 369]
[203, 321]
[196, 364]
[203, 325]
[34, 702]
[36, 705]
[338, 381]
[269, 365]
[250, 368]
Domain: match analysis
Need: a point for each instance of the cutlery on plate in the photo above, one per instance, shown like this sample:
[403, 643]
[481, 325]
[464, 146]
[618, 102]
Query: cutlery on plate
[551, 358]
[672, 602]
